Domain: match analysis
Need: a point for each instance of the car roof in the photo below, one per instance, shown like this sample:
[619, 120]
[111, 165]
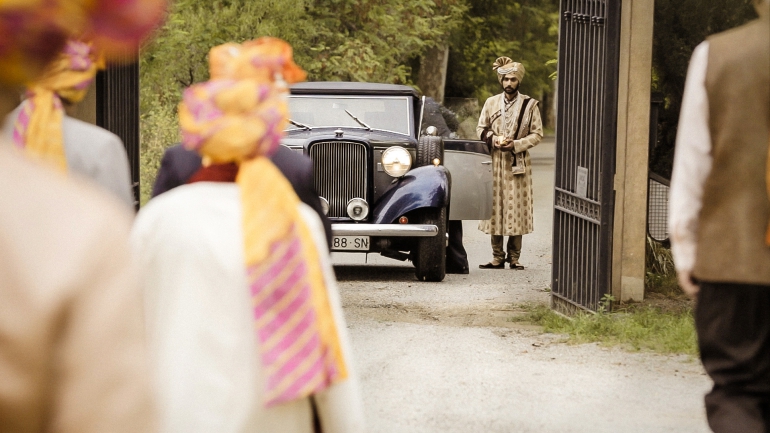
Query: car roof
[351, 88]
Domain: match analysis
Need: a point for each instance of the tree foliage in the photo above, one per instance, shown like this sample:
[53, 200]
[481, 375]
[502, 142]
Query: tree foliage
[348, 40]
[680, 25]
[375, 40]
[177, 57]
[524, 30]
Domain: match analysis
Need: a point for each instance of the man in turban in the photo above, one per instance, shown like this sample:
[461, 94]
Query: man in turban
[41, 126]
[719, 218]
[243, 316]
[510, 124]
[72, 357]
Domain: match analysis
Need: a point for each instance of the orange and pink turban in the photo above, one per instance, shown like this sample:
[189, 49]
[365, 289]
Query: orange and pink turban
[32, 32]
[238, 117]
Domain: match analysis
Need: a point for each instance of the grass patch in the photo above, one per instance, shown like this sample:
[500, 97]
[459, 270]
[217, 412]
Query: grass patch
[636, 327]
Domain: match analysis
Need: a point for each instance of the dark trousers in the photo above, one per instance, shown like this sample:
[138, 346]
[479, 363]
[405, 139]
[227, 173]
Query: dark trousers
[456, 257]
[733, 325]
[513, 248]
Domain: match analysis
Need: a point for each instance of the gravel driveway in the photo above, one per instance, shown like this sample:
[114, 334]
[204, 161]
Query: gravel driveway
[445, 357]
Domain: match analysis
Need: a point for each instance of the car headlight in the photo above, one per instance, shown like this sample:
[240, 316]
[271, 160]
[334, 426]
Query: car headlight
[396, 161]
[358, 209]
[324, 205]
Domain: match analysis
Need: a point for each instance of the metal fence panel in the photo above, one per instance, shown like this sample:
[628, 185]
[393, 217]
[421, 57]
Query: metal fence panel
[117, 110]
[657, 207]
[589, 36]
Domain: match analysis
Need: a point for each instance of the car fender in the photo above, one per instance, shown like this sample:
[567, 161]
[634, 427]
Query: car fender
[427, 186]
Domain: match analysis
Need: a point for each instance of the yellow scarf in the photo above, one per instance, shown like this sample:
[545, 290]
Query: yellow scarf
[38, 128]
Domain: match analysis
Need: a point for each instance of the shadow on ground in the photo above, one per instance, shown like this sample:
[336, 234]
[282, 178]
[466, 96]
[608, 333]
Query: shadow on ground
[369, 272]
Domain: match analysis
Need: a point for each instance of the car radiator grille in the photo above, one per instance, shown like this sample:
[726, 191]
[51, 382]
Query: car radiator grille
[339, 173]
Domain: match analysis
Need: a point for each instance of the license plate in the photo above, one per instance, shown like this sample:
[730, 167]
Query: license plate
[350, 243]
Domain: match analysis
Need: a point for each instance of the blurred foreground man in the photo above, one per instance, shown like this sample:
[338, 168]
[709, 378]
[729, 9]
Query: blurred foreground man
[41, 126]
[510, 124]
[719, 219]
[243, 314]
[72, 356]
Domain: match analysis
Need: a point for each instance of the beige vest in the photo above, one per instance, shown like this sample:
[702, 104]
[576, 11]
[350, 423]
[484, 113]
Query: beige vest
[735, 211]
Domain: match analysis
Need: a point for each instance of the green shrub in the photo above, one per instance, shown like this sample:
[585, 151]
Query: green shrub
[159, 129]
[660, 273]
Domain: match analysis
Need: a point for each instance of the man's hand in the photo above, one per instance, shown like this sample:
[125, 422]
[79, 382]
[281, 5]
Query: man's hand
[504, 144]
[687, 284]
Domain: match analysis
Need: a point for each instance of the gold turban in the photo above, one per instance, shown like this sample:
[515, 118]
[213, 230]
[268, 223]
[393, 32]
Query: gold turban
[504, 66]
[32, 32]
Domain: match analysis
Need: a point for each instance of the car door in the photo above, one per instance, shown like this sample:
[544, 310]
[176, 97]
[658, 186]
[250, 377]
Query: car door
[470, 165]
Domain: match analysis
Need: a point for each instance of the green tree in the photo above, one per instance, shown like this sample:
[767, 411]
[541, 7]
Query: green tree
[680, 25]
[524, 30]
[176, 58]
[375, 40]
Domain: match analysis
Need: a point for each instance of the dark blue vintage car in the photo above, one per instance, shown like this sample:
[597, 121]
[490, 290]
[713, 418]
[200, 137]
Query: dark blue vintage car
[388, 185]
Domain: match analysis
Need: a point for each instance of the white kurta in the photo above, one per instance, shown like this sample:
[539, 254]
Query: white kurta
[512, 203]
[692, 162]
[200, 326]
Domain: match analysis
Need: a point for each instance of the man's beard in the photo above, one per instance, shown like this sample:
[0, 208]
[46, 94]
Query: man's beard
[511, 90]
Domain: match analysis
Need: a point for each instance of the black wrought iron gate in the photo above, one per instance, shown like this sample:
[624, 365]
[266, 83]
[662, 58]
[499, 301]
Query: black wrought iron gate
[589, 36]
[117, 110]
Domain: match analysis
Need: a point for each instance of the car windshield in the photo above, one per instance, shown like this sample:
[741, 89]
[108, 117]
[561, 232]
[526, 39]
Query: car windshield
[389, 113]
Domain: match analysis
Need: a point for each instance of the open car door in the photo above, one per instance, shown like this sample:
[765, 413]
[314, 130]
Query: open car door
[470, 165]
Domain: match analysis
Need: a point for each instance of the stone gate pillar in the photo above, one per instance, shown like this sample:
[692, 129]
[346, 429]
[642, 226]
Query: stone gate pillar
[630, 223]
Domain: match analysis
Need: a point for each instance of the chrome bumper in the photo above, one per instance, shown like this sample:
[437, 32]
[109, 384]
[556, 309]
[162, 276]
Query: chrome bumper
[405, 230]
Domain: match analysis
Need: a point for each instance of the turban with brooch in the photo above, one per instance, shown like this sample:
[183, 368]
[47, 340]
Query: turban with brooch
[504, 66]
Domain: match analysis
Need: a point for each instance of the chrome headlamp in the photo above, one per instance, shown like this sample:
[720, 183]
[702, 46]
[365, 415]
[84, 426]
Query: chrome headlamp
[396, 161]
[358, 209]
[324, 205]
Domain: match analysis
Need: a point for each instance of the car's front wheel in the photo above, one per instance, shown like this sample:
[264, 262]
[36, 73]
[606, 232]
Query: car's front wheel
[430, 256]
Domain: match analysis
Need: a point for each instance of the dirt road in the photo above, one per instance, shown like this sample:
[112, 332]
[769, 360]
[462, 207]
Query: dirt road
[444, 357]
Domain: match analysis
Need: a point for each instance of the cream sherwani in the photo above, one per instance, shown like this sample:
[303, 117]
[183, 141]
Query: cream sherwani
[512, 205]
[200, 324]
